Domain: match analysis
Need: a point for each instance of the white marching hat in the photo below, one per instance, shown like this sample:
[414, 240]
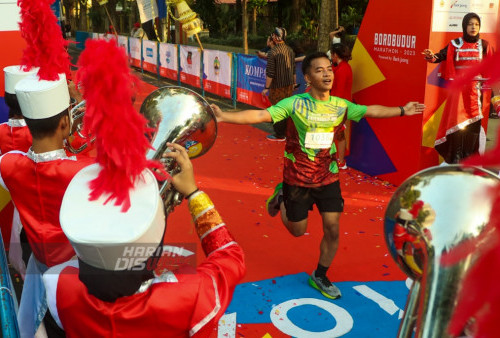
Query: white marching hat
[102, 235]
[41, 99]
[14, 74]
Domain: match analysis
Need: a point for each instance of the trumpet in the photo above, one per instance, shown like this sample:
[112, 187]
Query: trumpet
[182, 116]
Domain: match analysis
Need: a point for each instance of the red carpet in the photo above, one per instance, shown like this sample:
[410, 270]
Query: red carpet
[241, 171]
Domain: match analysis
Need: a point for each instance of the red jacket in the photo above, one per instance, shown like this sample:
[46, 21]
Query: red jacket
[37, 190]
[14, 135]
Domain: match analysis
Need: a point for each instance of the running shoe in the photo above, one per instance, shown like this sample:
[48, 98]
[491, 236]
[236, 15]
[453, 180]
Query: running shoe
[273, 202]
[342, 164]
[324, 286]
[275, 138]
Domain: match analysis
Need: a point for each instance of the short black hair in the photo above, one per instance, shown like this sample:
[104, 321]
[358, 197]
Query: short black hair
[40, 128]
[306, 64]
[13, 104]
[343, 51]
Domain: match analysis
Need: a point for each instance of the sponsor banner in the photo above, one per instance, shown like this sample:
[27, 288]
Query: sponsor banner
[217, 72]
[447, 15]
[168, 60]
[148, 10]
[135, 52]
[123, 42]
[150, 56]
[251, 81]
[101, 35]
[388, 69]
[190, 65]
[95, 35]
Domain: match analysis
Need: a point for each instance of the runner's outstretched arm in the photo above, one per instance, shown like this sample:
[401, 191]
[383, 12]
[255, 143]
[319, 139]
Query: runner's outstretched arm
[250, 116]
[411, 108]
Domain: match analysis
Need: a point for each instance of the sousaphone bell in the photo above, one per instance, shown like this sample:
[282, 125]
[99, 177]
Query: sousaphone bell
[177, 115]
[431, 214]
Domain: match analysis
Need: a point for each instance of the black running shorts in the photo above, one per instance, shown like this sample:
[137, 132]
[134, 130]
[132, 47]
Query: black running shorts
[299, 200]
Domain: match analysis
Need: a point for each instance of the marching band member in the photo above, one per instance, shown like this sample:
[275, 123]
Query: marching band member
[38, 178]
[14, 135]
[113, 215]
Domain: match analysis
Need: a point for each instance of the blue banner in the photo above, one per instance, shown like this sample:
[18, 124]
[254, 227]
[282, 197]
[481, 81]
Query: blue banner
[251, 73]
[299, 79]
[162, 9]
[56, 7]
[251, 81]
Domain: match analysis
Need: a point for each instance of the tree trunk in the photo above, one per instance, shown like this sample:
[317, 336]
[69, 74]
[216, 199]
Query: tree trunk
[325, 20]
[244, 20]
[254, 21]
[334, 13]
[295, 18]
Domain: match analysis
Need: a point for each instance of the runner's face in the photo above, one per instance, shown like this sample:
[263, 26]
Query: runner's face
[320, 74]
[473, 27]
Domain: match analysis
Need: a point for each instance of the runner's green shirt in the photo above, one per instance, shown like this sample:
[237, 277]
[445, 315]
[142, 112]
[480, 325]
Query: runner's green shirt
[309, 146]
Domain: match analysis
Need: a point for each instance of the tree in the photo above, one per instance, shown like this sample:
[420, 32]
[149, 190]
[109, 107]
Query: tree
[244, 25]
[256, 6]
[327, 20]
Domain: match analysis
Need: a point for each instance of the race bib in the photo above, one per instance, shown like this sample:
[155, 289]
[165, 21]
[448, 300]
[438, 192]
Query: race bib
[318, 140]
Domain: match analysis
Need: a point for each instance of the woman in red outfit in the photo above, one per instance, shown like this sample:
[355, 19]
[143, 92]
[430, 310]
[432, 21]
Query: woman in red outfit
[342, 87]
[460, 126]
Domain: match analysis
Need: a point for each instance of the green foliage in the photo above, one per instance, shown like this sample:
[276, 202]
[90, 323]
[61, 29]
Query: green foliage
[259, 4]
[309, 19]
[219, 19]
[96, 15]
[351, 17]
[254, 42]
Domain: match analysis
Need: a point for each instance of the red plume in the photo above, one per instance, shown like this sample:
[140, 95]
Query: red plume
[46, 47]
[119, 130]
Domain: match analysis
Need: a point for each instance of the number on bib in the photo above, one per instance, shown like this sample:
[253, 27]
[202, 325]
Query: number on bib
[318, 140]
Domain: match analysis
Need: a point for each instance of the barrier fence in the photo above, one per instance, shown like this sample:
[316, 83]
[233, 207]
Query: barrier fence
[235, 76]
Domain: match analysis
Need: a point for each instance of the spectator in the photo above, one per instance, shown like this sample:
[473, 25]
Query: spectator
[269, 45]
[280, 77]
[138, 32]
[459, 131]
[67, 29]
[342, 87]
[336, 37]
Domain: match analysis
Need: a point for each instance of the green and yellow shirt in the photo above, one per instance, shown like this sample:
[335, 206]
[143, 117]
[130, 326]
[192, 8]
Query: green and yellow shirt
[310, 150]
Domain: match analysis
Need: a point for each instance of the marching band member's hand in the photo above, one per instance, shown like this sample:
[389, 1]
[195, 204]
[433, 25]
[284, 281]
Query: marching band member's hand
[413, 108]
[74, 92]
[217, 111]
[183, 181]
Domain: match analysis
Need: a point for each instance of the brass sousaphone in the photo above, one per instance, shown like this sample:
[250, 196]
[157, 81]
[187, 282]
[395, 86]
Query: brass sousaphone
[182, 116]
[431, 214]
